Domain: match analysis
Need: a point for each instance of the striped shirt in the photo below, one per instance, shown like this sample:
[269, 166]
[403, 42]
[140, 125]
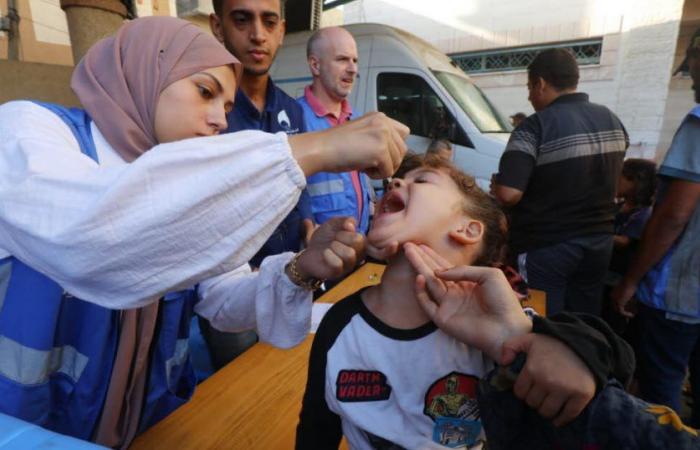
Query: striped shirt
[566, 160]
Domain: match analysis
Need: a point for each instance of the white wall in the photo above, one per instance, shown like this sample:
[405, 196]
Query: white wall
[680, 95]
[639, 43]
[49, 21]
[465, 25]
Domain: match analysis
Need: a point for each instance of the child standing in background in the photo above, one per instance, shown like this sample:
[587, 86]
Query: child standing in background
[635, 190]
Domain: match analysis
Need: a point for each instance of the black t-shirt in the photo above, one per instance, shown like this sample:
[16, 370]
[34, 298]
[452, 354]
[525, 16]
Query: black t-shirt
[566, 160]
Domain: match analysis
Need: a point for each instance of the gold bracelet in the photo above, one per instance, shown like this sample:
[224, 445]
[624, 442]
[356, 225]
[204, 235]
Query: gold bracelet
[310, 284]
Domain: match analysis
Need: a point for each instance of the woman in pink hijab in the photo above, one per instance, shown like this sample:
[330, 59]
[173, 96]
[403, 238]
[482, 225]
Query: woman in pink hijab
[119, 220]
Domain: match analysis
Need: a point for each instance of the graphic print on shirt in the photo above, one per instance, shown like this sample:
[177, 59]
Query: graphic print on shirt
[361, 386]
[283, 120]
[451, 403]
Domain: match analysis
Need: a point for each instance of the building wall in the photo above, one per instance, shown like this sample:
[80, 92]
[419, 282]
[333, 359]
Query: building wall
[155, 8]
[639, 42]
[196, 11]
[201, 20]
[680, 94]
[43, 32]
[456, 25]
[650, 34]
[43, 29]
[45, 59]
[36, 81]
[3, 35]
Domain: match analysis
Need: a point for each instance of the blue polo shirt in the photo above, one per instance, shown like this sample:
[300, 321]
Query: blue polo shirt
[281, 113]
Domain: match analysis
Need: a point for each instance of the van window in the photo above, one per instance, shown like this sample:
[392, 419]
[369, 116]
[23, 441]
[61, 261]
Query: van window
[473, 101]
[409, 99]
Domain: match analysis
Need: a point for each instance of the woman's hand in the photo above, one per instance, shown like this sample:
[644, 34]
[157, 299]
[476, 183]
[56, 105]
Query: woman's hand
[333, 250]
[373, 143]
[475, 305]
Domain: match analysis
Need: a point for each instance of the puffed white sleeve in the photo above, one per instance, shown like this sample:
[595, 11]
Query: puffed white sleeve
[122, 235]
[265, 300]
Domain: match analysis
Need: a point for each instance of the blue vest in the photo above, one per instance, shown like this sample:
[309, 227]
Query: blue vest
[653, 290]
[57, 351]
[333, 194]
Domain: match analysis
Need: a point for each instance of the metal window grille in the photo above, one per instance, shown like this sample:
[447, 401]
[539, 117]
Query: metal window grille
[586, 53]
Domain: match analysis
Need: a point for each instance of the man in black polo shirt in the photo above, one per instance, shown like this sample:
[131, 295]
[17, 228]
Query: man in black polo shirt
[557, 179]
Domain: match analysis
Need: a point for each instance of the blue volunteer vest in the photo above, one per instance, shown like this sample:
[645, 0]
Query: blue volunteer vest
[57, 351]
[653, 288]
[333, 194]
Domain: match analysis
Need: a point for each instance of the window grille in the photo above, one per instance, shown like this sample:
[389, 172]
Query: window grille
[586, 53]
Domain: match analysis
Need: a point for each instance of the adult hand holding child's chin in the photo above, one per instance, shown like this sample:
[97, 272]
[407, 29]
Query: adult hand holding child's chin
[473, 304]
[477, 306]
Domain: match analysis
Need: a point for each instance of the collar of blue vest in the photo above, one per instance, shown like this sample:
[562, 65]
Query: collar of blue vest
[695, 111]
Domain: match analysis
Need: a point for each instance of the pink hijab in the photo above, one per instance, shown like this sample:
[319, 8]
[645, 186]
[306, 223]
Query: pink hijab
[121, 77]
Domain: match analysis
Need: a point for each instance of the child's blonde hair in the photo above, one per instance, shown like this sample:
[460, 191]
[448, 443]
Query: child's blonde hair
[478, 205]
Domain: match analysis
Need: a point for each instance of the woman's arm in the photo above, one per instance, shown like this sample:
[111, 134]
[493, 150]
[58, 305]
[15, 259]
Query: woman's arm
[268, 300]
[265, 300]
[122, 235]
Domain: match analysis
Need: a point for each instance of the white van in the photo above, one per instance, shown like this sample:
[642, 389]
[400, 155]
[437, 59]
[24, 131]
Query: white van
[413, 82]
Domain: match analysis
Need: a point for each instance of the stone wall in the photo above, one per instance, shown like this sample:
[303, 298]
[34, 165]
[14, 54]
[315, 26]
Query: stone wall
[633, 77]
[43, 28]
[36, 81]
[680, 94]
[645, 64]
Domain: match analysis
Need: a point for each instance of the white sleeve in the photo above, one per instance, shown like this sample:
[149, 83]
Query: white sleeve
[265, 300]
[122, 235]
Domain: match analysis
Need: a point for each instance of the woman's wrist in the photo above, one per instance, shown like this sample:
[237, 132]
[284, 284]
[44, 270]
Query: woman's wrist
[308, 151]
[298, 276]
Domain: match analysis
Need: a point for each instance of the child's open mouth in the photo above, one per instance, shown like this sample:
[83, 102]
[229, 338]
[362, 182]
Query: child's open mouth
[392, 203]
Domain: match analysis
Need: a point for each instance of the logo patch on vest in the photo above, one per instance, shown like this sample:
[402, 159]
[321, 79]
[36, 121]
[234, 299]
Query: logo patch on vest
[361, 386]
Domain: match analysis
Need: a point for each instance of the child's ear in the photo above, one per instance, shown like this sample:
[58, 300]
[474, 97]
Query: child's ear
[470, 232]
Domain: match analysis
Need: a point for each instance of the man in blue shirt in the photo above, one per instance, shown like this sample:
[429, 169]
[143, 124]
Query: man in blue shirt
[253, 30]
[665, 273]
[332, 58]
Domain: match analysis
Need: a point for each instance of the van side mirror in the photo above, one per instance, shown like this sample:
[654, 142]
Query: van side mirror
[456, 135]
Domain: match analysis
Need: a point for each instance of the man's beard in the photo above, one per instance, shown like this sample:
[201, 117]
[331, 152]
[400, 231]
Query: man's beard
[255, 72]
